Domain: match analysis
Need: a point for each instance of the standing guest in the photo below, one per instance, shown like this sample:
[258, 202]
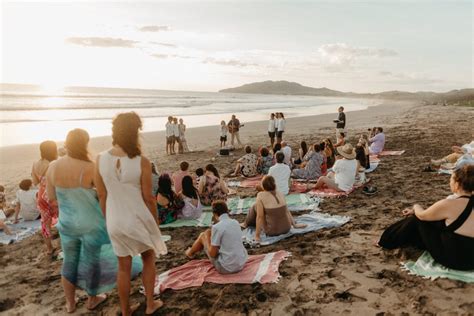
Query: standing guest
[310, 169]
[89, 262]
[265, 161]
[377, 142]
[47, 208]
[270, 213]
[211, 187]
[192, 208]
[179, 175]
[222, 243]
[247, 164]
[341, 141]
[445, 229]
[340, 122]
[301, 153]
[182, 135]
[234, 127]
[26, 202]
[168, 202]
[286, 150]
[154, 179]
[169, 136]
[281, 125]
[123, 180]
[281, 173]
[223, 134]
[329, 152]
[344, 171]
[176, 138]
[272, 126]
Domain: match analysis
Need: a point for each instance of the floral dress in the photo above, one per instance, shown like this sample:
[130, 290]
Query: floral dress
[249, 165]
[312, 169]
[212, 191]
[266, 163]
[48, 209]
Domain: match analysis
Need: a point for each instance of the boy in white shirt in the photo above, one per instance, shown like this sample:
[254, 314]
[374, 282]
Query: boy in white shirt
[281, 173]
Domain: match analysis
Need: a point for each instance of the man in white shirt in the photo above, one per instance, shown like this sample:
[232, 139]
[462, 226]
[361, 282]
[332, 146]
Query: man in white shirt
[272, 125]
[286, 150]
[169, 133]
[281, 173]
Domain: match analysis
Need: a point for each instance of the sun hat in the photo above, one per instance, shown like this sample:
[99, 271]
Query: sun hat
[347, 151]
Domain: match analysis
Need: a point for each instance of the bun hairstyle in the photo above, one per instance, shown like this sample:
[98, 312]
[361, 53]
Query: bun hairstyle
[268, 184]
[465, 177]
[49, 150]
[76, 144]
[125, 132]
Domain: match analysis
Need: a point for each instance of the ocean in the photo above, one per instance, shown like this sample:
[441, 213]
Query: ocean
[30, 114]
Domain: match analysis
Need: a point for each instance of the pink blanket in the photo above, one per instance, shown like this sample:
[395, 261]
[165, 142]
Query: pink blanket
[329, 193]
[251, 182]
[259, 268]
[392, 153]
[300, 187]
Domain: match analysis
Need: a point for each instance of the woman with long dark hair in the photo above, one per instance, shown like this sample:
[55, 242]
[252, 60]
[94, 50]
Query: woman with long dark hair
[212, 187]
[192, 203]
[124, 184]
[168, 202]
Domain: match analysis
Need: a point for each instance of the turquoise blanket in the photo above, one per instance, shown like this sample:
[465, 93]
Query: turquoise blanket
[426, 267]
[204, 221]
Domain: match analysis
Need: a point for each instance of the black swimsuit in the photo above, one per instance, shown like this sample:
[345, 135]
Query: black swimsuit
[445, 246]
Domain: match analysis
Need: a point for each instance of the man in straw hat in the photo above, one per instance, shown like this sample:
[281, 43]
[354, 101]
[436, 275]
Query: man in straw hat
[344, 172]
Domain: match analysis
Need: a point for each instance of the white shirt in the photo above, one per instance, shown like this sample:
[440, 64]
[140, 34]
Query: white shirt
[287, 152]
[27, 201]
[345, 172]
[223, 131]
[281, 125]
[175, 130]
[377, 143]
[281, 173]
[468, 148]
[272, 125]
[169, 129]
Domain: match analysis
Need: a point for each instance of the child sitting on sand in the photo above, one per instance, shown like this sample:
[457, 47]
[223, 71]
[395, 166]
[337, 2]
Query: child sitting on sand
[222, 243]
[26, 202]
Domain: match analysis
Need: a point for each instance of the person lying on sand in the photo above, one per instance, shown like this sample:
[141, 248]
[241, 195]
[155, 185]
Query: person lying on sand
[457, 153]
[445, 229]
[247, 164]
[222, 243]
[270, 213]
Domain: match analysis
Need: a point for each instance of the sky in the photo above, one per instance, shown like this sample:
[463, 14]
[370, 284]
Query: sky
[369, 46]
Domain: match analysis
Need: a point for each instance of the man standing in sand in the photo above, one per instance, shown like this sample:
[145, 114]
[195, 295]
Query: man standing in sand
[169, 133]
[340, 122]
[234, 126]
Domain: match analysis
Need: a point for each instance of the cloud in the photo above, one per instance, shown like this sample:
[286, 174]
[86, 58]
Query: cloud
[101, 42]
[345, 55]
[165, 56]
[164, 44]
[154, 28]
[160, 56]
[408, 78]
[228, 62]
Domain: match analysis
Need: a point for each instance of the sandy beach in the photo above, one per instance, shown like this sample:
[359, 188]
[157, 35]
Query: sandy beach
[335, 271]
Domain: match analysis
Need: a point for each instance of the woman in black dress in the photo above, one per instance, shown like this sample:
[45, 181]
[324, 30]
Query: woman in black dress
[445, 229]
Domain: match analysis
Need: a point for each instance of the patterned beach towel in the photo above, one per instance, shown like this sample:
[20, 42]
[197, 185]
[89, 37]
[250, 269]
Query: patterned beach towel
[203, 221]
[392, 153]
[258, 269]
[246, 183]
[426, 267]
[20, 231]
[295, 202]
[314, 221]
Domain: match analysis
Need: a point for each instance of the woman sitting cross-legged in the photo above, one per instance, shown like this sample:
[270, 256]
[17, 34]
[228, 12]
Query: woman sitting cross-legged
[211, 186]
[302, 151]
[445, 229]
[270, 213]
[222, 243]
[310, 168]
[265, 161]
[168, 202]
[192, 208]
[344, 171]
[247, 164]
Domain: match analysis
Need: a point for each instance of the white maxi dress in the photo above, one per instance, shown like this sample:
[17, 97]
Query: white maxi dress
[131, 227]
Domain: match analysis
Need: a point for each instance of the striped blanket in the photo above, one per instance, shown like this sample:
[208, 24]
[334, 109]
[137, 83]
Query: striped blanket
[203, 221]
[20, 231]
[295, 202]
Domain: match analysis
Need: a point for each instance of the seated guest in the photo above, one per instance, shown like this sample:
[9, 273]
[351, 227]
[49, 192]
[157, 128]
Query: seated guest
[377, 142]
[281, 173]
[265, 161]
[302, 151]
[286, 150]
[364, 142]
[211, 186]
[457, 152]
[329, 152]
[199, 174]
[270, 213]
[247, 164]
[341, 141]
[276, 149]
[192, 208]
[361, 164]
[344, 172]
[222, 243]
[310, 169]
[155, 176]
[168, 202]
[26, 202]
[445, 229]
[5, 213]
[179, 175]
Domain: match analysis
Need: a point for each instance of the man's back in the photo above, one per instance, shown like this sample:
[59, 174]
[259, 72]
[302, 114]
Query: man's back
[281, 173]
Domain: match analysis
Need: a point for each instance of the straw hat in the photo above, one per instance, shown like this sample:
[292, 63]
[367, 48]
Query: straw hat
[347, 151]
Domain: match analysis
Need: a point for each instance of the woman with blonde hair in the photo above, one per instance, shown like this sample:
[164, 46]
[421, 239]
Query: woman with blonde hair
[124, 185]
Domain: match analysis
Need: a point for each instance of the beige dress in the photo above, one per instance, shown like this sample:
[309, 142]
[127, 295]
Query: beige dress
[131, 227]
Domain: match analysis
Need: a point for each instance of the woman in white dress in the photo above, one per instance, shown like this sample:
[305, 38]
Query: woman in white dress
[182, 137]
[124, 186]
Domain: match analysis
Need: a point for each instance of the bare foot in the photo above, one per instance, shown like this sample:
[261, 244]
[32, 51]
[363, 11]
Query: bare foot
[376, 243]
[300, 226]
[152, 309]
[133, 308]
[243, 225]
[95, 301]
[189, 254]
[71, 308]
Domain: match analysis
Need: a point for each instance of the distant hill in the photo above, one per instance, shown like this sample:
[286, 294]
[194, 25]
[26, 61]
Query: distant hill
[293, 88]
